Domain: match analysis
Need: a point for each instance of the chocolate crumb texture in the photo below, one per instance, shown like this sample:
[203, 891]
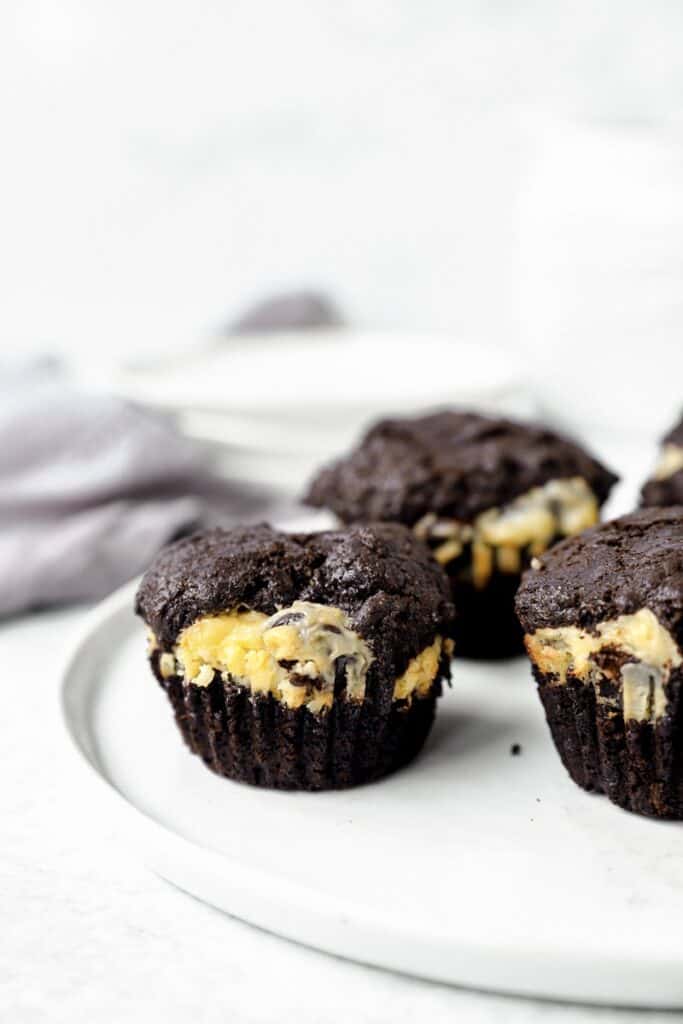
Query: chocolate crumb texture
[300, 661]
[486, 495]
[452, 463]
[379, 575]
[618, 568]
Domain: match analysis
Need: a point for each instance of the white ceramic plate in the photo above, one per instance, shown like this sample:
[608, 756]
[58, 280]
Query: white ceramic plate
[472, 866]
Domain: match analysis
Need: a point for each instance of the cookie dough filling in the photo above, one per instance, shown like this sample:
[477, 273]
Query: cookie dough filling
[634, 652]
[499, 537]
[306, 654]
[670, 462]
[418, 678]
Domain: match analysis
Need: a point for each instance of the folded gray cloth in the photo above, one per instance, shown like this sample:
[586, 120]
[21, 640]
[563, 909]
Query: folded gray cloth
[90, 488]
[289, 311]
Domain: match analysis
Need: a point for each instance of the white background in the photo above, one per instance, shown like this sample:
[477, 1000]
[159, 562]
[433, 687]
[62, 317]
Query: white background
[507, 173]
[501, 170]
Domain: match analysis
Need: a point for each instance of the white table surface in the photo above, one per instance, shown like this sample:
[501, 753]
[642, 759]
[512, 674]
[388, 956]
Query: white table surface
[88, 932]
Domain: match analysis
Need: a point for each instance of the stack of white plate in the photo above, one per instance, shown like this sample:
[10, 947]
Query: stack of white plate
[277, 404]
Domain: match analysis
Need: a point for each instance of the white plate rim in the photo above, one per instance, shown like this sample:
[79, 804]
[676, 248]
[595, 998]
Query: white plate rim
[288, 909]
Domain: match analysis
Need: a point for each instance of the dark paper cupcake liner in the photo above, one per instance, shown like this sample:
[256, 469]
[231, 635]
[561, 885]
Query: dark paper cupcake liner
[638, 765]
[487, 626]
[261, 741]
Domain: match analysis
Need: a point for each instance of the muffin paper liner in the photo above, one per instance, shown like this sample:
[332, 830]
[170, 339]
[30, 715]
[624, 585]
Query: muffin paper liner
[486, 625]
[261, 741]
[638, 765]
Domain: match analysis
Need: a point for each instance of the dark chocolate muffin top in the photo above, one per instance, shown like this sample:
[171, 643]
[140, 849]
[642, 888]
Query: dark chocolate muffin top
[668, 490]
[395, 596]
[456, 464]
[615, 569]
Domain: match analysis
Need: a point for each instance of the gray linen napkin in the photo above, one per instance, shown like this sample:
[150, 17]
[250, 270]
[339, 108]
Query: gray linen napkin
[92, 486]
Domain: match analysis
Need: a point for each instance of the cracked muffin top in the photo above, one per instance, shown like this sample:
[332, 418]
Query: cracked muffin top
[614, 569]
[394, 595]
[455, 464]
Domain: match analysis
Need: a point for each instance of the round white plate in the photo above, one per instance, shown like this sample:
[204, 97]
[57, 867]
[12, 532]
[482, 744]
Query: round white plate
[472, 866]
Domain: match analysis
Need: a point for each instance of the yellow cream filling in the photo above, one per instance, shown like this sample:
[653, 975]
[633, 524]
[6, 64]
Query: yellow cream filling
[670, 462]
[296, 655]
[499, 536]
[650, 649]
[417, 679]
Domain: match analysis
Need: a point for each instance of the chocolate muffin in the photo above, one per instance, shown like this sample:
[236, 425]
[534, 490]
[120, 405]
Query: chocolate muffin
[666, 485]
[300, 661]
[603, 617]
[484, 494]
